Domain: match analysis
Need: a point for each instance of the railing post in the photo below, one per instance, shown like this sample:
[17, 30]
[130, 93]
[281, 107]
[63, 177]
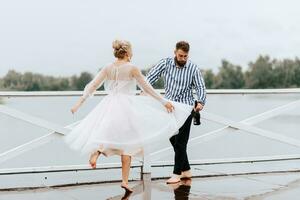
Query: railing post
[147, 186]
[146, 167]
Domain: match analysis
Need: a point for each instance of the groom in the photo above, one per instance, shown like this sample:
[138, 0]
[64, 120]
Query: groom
[180, 76]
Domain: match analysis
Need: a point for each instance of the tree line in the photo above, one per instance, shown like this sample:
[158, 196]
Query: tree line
[261, 74]
[28, 81]
[264, 72]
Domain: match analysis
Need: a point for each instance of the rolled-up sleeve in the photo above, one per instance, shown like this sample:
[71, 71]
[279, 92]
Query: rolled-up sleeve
[155, 73]
[199, 85]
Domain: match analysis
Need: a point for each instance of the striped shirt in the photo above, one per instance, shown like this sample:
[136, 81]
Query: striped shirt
[179, 82]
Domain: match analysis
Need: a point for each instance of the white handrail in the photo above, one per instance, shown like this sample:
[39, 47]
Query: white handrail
[101, 93]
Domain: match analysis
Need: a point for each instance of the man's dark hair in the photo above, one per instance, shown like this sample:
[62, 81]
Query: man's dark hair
[183, 45]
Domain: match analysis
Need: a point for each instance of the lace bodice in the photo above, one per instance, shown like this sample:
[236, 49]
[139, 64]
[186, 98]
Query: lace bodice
[121, 79]
[120, 86]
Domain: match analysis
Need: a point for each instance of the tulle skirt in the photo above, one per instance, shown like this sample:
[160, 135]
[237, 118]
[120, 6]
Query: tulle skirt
[124, 124]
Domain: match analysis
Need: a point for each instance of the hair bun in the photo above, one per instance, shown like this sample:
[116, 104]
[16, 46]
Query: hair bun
[121, 47]
[117, 44]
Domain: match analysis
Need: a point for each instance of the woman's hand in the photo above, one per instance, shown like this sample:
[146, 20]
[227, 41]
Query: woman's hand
[169, 107]
[77, 105]
[74, 108]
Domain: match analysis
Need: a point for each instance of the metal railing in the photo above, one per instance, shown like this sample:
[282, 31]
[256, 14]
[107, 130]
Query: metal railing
[151, 160]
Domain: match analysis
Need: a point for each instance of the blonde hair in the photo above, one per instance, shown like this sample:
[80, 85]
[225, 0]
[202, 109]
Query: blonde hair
[121, 48]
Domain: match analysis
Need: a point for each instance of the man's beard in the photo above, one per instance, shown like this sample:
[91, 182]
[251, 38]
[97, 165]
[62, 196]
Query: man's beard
[180, 63]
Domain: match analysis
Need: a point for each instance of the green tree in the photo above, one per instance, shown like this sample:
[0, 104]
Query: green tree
[260, 73]
[283, 73]
[229, 77]
[209, 78]
[82, 80]
[12, 80]
[296, 77]
[1, 84]
[30, 82]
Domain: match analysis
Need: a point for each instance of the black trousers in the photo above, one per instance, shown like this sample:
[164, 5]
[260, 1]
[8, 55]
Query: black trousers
[179, 143]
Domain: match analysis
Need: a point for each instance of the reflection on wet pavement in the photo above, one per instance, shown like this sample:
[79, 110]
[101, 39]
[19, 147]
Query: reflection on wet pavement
[234, 187]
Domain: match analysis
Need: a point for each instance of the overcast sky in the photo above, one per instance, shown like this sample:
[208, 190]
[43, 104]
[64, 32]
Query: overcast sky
[65, 37]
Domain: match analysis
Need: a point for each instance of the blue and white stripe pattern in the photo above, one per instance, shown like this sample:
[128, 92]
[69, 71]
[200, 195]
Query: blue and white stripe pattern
[179, 82]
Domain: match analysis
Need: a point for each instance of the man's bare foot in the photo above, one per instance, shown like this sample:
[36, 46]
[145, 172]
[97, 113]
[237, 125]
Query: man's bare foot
[126, 187]
[93, 159]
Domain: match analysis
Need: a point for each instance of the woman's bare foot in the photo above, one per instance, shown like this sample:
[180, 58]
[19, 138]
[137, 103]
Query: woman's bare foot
[126, 187]
[93, 159]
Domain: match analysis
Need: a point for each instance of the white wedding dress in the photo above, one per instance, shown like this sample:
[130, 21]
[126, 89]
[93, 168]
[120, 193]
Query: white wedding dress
[124, 123]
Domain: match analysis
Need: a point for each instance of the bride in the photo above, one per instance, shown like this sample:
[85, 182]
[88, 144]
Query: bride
[122, 123]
